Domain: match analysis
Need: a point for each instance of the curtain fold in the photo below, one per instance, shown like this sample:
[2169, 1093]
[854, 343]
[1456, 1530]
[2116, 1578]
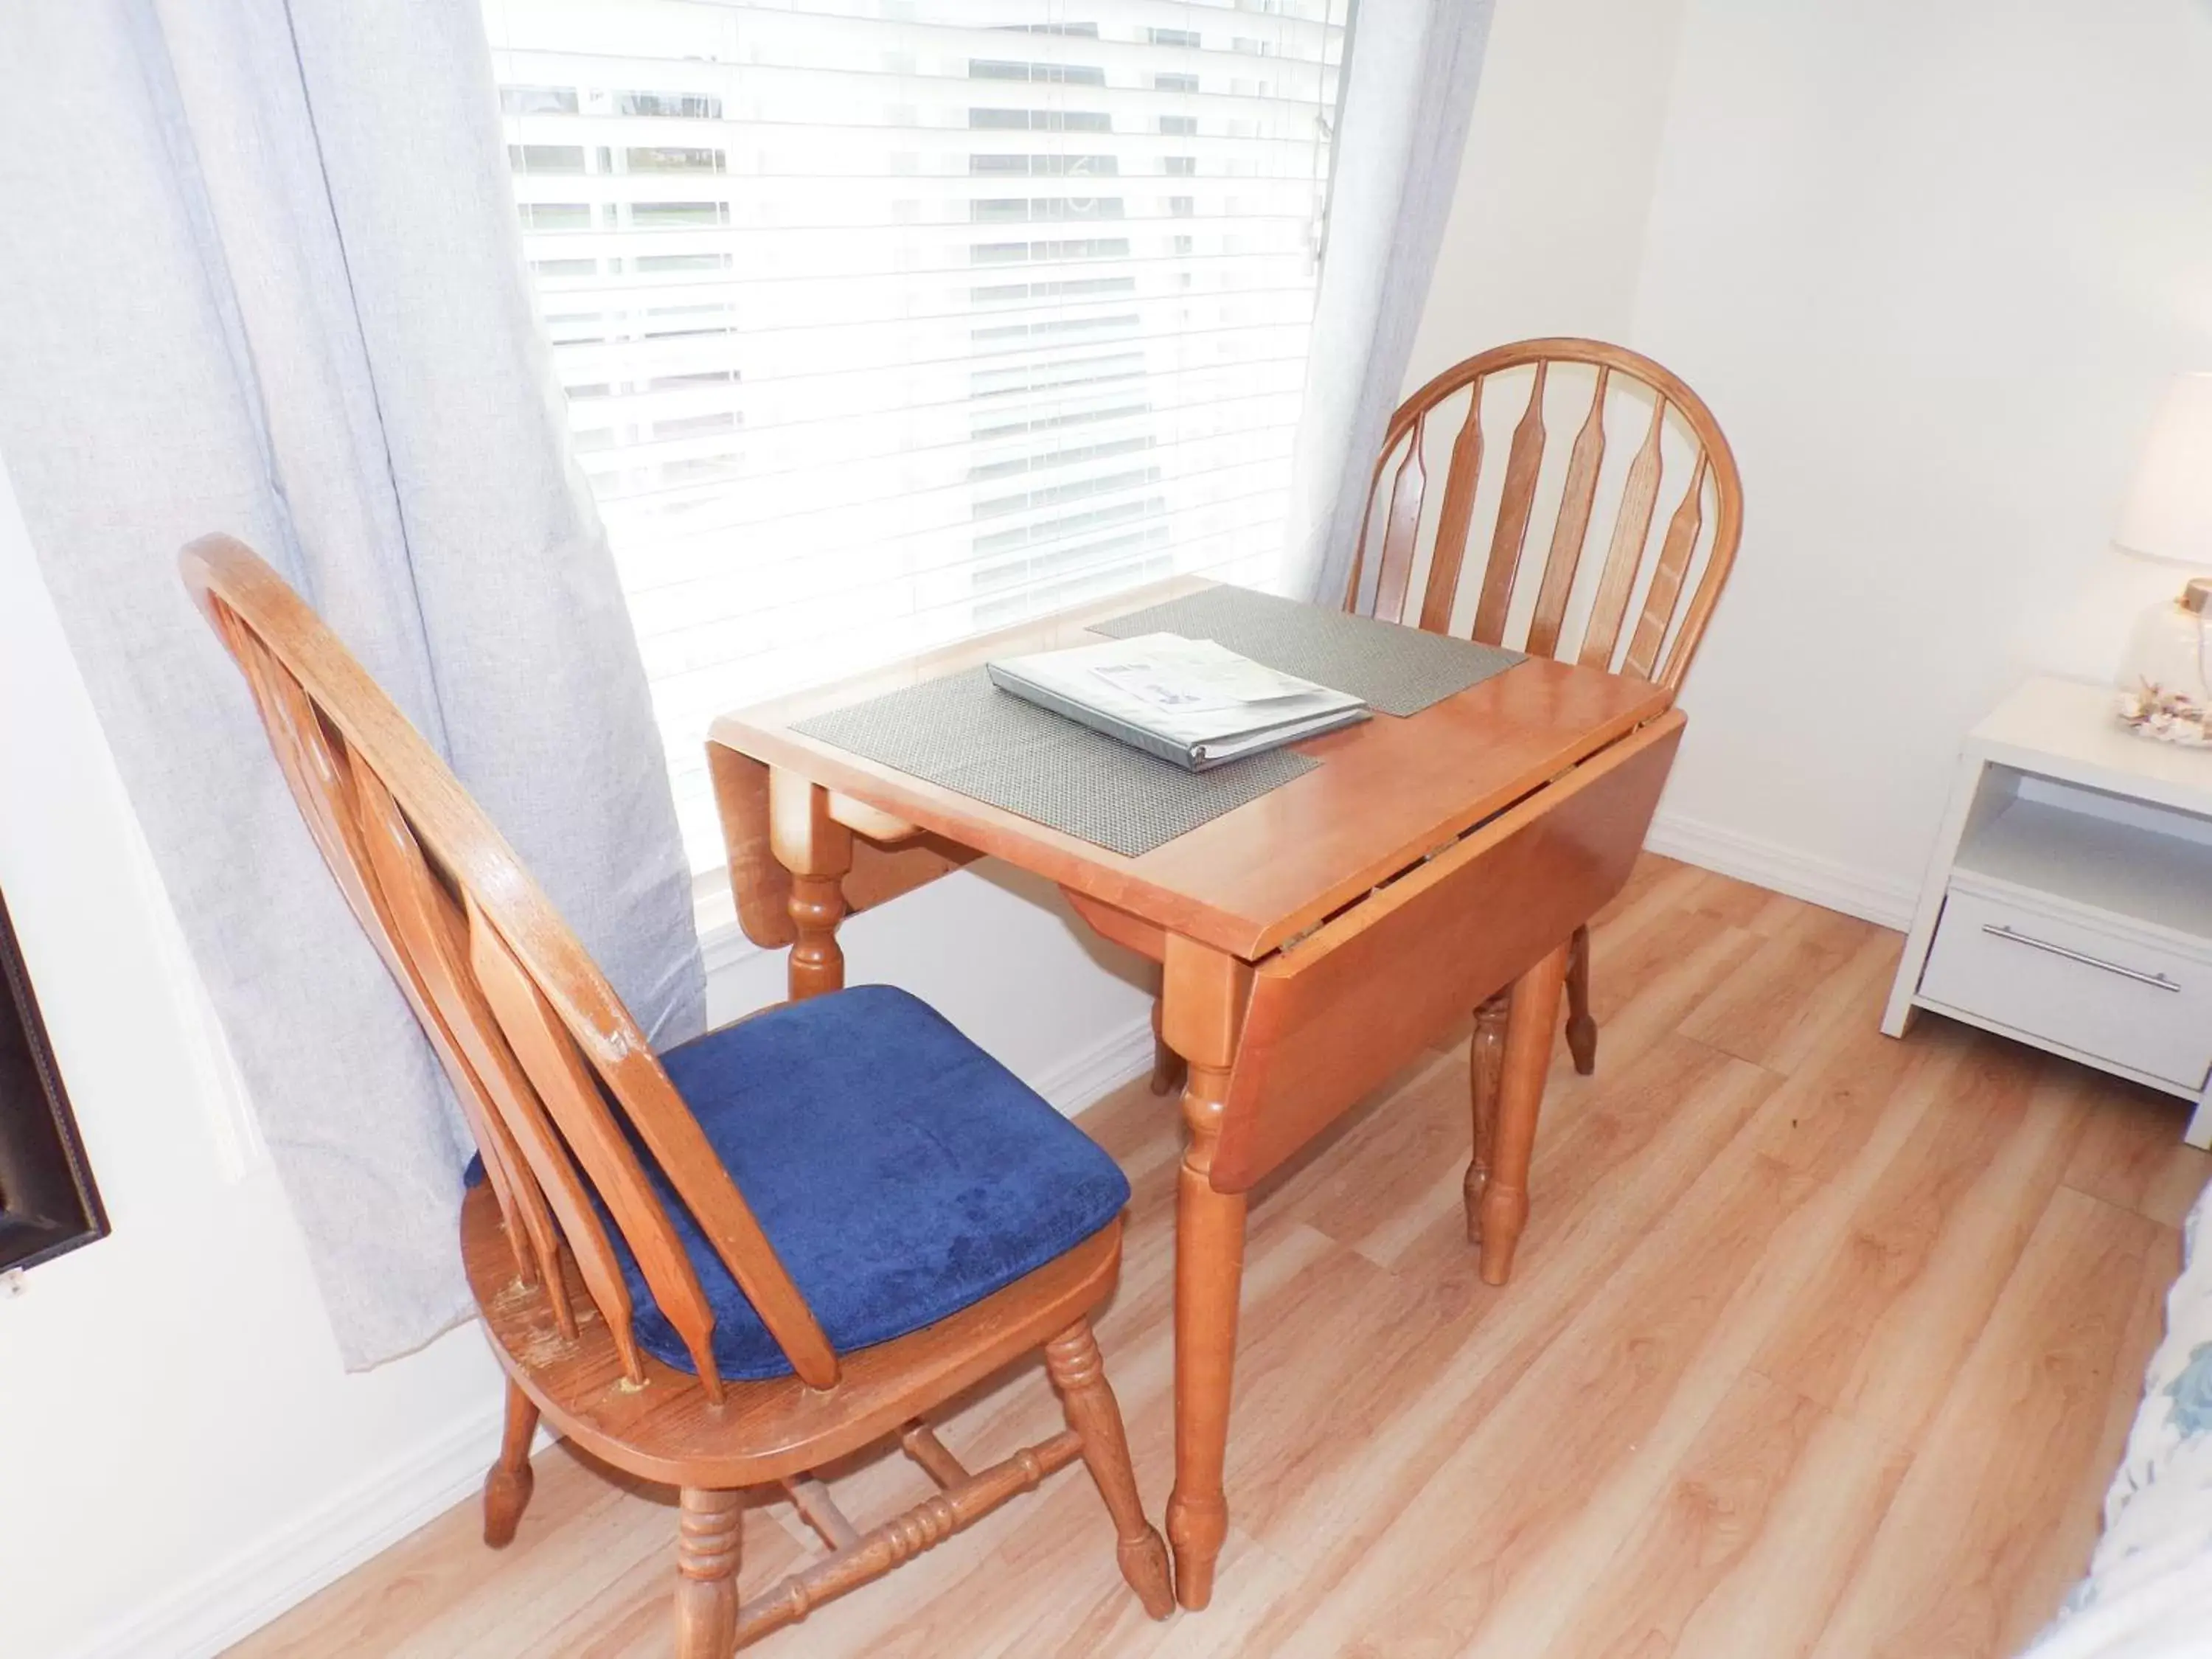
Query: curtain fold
[264, 276]
[1408, 93]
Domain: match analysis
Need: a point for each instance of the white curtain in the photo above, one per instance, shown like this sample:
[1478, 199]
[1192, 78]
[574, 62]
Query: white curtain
[262, 275]
[1411, 68]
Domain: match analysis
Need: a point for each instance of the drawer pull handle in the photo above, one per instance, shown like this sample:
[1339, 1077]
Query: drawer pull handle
[2156, 981]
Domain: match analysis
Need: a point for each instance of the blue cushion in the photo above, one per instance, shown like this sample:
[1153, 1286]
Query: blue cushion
[900, 1171]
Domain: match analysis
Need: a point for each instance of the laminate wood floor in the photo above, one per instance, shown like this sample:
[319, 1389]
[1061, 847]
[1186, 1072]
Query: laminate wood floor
[1819, 1345]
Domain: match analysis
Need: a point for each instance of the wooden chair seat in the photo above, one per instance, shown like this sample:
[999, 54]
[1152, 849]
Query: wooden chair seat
[667, 1428]
[927, 1218]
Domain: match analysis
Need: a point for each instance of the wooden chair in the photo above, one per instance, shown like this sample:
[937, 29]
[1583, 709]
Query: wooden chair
[1413, 551]
[1672, 581]
[725, 1333]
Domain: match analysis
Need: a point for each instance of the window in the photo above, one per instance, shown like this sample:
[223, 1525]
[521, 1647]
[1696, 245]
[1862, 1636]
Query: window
[1043, 167]
[647, 262]
[877, 329]
[556, 215]
[669, 216]
[537, 100]
[680, 105]
[1084, 75]
[1042, 120]
[545, 158]
[664, 158]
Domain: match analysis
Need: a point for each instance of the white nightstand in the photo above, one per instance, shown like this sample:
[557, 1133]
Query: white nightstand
[2068, 903]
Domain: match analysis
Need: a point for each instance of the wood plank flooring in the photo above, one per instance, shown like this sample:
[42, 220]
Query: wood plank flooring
[1820, 1345]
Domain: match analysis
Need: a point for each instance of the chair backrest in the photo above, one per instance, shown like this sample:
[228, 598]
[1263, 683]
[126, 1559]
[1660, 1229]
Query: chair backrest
[541, 1051]
[1411, 550]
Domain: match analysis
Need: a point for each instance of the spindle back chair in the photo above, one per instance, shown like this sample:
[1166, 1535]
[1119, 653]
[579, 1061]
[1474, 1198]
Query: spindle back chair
[1411, 563]
[561, 1091]
[1412, 555]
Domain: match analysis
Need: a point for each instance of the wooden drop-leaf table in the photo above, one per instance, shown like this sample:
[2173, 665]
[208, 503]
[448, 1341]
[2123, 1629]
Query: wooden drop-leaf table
[1312, 940]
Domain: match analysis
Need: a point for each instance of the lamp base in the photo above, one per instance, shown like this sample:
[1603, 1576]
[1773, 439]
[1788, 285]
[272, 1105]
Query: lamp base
[2164, 691]
[2167, 716]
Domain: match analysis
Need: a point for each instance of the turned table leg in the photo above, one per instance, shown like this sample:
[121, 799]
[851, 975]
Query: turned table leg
[818, 852]
[1528, 1038]
[1209, 1273]
[1204, 998]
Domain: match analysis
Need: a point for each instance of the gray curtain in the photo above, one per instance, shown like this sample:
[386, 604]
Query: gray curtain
[1407, 93]
[262, 274]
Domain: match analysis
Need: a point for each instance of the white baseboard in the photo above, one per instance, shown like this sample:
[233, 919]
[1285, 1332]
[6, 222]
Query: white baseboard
[1863, 893]
[1108, 1063]
[253, 1585]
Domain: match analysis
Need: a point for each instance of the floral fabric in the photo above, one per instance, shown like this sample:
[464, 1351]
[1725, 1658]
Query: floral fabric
[2149, 1595]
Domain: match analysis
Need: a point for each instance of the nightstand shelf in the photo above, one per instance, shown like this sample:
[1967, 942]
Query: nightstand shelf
[2068, 903]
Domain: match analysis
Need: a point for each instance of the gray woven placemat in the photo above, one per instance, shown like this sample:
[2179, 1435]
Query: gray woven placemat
[1398, 671]
[964, 733]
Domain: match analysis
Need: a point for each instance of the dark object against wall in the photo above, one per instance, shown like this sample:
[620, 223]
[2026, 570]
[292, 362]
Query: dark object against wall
[47, 1201]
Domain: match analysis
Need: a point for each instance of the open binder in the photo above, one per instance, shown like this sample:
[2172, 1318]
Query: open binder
[1191, 702]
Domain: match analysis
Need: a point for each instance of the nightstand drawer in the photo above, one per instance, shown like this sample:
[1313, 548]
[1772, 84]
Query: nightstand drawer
[2113, 993]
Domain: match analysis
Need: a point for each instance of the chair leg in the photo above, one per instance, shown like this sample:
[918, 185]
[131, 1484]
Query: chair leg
[507, 1488]
[708, 1527]
[1531, 1036]
[1168, 1067]
[1079, 1374]
[1582, 1030]
[1486, 1066]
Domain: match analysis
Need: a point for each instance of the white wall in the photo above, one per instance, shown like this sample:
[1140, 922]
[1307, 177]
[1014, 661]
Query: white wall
[1931, 265]
[1547, 232]
[182, 1453]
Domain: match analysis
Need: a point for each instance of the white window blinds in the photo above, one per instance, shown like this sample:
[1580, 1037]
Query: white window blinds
[886, 322]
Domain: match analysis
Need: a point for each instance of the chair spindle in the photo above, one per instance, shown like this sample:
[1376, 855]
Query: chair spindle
[1401, 525]
[428, 922]
[1667, 577]
[1524, 459]
[571, 1095]
[1639, 498]
[1571, 527]
[1442, 597]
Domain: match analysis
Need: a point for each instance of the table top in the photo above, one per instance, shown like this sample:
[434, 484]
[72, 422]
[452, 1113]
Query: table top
[2066, 729]
[1388, 791]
